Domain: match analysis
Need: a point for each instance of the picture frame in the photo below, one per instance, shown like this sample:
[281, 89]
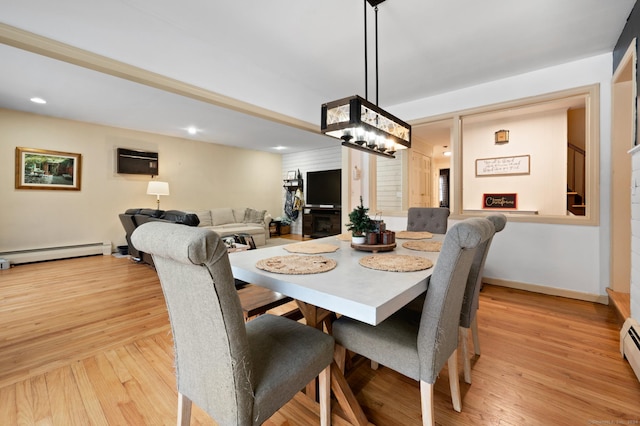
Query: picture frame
[45, 169]
[291, 174]
[502, 201]
[504, 166]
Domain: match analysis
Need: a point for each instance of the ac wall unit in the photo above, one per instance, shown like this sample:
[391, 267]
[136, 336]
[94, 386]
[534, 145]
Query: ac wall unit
[137, 162]
[630, 344]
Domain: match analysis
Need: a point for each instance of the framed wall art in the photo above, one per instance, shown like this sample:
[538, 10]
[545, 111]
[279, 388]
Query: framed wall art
[506, 166]
[44, 169]
[500, 201]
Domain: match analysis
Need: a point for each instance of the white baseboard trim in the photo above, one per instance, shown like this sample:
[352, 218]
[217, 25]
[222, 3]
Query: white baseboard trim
[552, 291]
[53, 253]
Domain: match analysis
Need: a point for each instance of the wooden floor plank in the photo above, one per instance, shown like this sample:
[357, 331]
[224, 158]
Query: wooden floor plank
[108, 388]
[87, 341]
[89, 397]
[8, 407]
[65, 400]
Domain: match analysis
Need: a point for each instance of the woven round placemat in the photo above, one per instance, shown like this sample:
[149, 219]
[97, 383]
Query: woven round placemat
[423, 245]
[413, 235]
[396, 262]
[344, 237]
[310, 248]
[295, 264]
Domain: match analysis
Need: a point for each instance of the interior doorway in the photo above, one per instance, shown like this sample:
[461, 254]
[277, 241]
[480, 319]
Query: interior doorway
[623, 129]
[443, 187]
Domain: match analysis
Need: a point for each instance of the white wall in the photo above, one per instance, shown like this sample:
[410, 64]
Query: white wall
[200, 175]
[543, 137]
[635, 233]
[309, 161]
[574, 258]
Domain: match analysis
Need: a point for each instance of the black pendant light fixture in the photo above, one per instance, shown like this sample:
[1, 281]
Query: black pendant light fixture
[361, 124]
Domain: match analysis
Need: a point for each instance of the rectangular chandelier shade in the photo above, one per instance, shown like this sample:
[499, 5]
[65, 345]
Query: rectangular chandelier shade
[363, 125]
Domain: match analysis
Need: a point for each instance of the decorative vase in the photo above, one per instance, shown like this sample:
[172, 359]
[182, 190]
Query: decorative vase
[358, 239]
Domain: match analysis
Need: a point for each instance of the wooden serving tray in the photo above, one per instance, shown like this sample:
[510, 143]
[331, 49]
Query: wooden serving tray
[374, 248]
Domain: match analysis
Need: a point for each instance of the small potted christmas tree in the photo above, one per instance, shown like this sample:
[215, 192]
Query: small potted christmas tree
[359, 224]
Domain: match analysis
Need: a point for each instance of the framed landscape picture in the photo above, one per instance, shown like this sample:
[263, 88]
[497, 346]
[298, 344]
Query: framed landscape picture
[43, 169]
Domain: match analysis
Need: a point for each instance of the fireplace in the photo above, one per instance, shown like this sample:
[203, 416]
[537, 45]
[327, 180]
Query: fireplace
[320, 222]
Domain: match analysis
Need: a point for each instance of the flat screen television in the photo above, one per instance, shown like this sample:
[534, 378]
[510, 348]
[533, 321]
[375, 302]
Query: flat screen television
[324, 188]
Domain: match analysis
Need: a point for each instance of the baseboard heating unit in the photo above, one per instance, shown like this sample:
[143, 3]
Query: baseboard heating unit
[53, 253]
[630, 344]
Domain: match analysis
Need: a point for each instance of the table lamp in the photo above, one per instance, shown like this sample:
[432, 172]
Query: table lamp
[158, 188]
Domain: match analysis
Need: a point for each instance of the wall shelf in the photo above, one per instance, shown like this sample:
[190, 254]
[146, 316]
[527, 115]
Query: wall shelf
[505, 211]
[293, 184]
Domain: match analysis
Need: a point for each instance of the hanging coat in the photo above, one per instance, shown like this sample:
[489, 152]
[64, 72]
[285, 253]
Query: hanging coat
[289, 206]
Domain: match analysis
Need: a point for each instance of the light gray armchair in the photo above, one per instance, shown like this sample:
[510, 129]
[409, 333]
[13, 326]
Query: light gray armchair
[472, 294]
[417, 344]
[240, 374]
[429, 219]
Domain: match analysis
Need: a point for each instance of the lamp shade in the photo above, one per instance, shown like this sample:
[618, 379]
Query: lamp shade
[158, 188]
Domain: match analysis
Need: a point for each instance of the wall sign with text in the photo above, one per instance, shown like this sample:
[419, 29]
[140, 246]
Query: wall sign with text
[500, 201]
[515, 165]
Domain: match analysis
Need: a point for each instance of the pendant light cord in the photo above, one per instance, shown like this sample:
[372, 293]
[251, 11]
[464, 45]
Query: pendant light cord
[366, 57]
[366, 72]
[376, 10]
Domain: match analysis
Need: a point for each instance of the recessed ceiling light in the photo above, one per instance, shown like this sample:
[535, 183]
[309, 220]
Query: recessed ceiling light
[447, 153]
[192, 130]
[38, 101]
[279, 147]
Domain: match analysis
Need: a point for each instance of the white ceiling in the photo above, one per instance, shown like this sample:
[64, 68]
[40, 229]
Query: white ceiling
[286, 56]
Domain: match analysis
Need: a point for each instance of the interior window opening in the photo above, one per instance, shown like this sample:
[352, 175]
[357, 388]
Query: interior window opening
[527, 160]
[535, 160]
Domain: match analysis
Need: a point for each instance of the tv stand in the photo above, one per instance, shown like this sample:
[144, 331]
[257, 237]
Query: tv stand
[318, 222]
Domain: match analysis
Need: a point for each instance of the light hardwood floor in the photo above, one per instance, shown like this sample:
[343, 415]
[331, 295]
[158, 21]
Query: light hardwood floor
[87, 341]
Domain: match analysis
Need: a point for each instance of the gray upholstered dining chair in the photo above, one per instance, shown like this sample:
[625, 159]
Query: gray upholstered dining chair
[429, 219]
[417, 344]
[239, 373]
[468, 320]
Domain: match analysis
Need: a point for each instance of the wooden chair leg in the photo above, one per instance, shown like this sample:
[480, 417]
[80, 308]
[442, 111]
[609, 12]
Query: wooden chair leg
[454, 384]
[426, 402]
[324, 385]
[466, 361]
[340, 356]
[474, 333]
[184, 410]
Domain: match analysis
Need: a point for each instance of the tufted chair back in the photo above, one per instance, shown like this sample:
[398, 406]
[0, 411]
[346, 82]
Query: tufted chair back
[429, 219]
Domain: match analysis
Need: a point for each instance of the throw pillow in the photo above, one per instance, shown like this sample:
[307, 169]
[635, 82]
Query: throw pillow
[222, 216]
[254, 216]
[239, 214]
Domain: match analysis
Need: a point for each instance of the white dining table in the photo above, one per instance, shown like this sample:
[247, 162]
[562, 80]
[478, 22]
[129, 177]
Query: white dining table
[349, 289]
